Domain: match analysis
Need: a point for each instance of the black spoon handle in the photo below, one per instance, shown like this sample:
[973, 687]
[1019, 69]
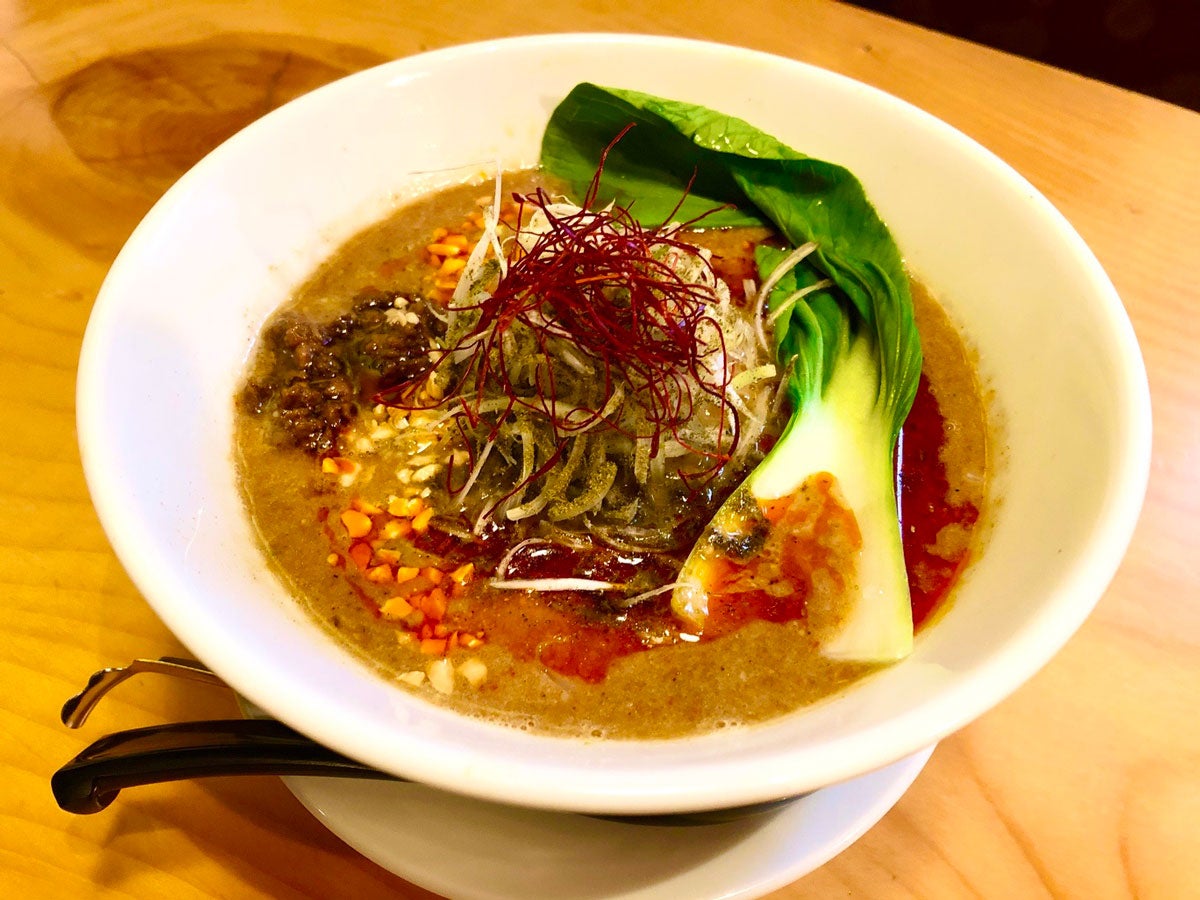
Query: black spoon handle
[92, 780]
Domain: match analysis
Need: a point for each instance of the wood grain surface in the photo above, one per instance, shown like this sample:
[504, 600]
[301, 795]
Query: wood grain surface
[1085, 783]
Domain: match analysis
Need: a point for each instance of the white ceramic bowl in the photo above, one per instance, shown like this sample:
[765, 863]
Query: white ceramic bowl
[173, 325]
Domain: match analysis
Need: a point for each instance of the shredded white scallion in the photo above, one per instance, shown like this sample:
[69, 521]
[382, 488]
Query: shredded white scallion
[555, 584]
[795, 297]
[752, 376]
[483, 455]
[646, 595]
[506, 560]
[786, 265]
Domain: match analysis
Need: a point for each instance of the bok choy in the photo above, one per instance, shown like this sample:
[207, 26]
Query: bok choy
[845, 341]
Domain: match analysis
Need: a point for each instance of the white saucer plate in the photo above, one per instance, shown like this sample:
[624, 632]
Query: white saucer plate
[474, 850]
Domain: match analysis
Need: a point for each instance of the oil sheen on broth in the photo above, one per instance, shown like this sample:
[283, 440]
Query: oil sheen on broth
[351, 503]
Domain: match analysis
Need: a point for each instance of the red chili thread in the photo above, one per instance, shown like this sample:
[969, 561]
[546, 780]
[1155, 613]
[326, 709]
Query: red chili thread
[593, 282]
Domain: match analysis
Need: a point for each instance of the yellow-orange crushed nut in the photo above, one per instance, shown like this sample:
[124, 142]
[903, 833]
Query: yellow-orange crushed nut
[416, 678]
[443, 249]
[396, 608]
[433, 646]
[380, 574]
[401, 507]
[434, 605]
[365, 506]
[357, 524]
[396, 528]
[463, 573]
[360, 554]
[406, 573]
[339, 465]
[420, 522]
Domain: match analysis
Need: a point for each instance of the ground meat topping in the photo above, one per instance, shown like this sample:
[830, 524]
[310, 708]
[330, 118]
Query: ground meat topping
[319, 372]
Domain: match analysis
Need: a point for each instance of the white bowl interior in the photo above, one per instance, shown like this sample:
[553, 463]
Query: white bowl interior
[173, 325]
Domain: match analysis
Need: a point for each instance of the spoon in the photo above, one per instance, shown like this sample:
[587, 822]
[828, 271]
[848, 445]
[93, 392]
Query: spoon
[91, 781]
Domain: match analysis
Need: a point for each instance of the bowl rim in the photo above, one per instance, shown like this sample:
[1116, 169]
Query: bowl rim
[907, 733]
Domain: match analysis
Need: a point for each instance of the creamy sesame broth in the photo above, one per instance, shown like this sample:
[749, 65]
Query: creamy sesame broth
[388, 510]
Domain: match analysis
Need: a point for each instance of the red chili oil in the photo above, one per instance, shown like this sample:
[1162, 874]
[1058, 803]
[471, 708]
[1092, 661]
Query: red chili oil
[926, 506]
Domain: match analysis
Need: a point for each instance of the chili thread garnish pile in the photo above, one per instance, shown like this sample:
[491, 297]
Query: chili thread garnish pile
[610, 289]
[594, 337]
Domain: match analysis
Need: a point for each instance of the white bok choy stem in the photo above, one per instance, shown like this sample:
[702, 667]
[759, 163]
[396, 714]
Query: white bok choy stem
[842, 433]
[842, 426]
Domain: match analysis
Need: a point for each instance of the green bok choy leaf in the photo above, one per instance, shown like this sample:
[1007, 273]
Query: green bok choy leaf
[843, 322]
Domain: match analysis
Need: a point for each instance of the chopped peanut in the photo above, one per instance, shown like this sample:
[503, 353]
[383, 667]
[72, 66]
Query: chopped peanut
[433, 646]
[405, 507]
[365, 506]
[406, 573]
[463, 574]
[360, 553]
[339, 465]
[357, 524]
[396, 608]
[395, 528]
[380, 574]
[416, 678]
[420, 522]
[426, 472]
[474, 671]
[391, 557]
[441, 675]
[434, 575]
[435, 604]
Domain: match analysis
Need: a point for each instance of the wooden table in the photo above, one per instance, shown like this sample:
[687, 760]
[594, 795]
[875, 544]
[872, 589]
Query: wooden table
[1086, 783]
